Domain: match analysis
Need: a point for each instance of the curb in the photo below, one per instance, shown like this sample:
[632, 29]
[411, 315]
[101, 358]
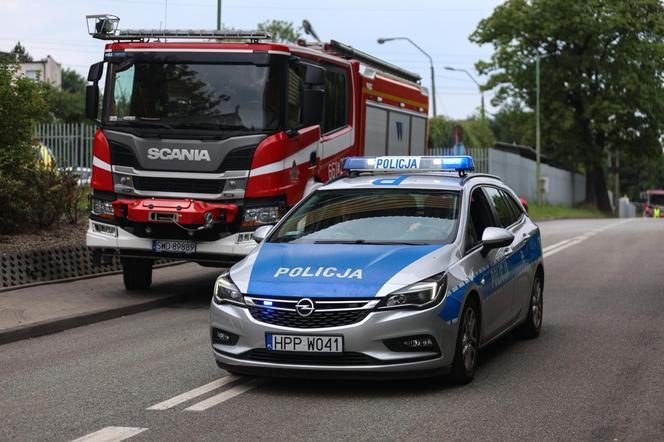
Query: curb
[60, 324]
[82, 277]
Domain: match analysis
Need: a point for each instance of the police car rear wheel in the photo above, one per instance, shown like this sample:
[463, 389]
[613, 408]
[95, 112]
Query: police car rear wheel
[467, 347]
[136, 273]
[531, 328]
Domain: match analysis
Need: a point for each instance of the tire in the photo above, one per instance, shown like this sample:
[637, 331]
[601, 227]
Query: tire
[467, 346]
[136, 273]
[531, 328]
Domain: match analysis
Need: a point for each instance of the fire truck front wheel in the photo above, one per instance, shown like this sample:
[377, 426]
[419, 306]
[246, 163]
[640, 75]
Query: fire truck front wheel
[137, 273]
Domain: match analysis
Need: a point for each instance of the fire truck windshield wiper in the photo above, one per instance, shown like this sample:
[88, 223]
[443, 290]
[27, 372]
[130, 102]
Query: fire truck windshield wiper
[143, 123]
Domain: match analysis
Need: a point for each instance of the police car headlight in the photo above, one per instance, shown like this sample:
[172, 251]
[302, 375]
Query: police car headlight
[226, 291]
[420, 295]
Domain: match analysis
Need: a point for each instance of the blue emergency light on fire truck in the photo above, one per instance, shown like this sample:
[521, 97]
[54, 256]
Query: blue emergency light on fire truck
[206, 135]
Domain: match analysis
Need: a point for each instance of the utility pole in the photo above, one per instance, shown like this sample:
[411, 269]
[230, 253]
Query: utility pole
[538, 159]
[218, 15]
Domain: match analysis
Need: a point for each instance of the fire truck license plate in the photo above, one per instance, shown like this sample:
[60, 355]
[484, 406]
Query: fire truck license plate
[181, 247]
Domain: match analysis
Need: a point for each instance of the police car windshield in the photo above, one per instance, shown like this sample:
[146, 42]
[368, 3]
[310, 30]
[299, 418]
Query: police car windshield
[373, 216]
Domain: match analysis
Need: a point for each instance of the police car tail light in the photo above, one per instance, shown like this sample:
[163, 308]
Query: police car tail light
[461, 164]
[225, 291]
[419, 295]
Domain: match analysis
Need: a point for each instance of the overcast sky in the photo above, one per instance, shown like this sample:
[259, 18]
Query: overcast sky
[440, 27]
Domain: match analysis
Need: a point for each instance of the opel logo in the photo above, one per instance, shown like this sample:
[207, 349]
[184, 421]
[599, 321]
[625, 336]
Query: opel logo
[304, 307]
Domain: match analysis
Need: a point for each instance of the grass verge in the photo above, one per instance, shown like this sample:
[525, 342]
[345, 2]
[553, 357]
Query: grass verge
[546, 212]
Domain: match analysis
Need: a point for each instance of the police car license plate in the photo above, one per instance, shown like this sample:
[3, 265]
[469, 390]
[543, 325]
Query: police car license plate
[180, 247]
[308, 344]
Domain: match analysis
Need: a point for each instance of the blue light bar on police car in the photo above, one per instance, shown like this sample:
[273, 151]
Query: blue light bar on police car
[400, 163]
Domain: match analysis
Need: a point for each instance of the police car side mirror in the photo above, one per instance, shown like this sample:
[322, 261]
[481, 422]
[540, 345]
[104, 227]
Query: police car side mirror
[495, 238]
[261, 232]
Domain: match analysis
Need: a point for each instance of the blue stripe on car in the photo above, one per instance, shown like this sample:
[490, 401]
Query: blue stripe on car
[294, 270]
[454, 300]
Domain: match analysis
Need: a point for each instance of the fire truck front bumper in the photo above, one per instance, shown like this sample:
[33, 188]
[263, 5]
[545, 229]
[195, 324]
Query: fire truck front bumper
[113, 239]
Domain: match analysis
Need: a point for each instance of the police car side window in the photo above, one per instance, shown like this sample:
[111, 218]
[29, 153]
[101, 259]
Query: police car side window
[501, 206]
[514, 206]
[479, 218]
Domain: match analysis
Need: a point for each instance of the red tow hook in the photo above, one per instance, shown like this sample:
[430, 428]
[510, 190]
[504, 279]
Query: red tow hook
[182, 211]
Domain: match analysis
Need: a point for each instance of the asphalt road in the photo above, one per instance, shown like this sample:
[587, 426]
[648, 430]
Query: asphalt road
[595, 373]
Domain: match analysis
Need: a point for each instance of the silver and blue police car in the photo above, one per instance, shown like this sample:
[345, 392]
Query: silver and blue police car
[406, 265]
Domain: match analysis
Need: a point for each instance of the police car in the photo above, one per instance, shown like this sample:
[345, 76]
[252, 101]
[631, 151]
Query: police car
[405, 265]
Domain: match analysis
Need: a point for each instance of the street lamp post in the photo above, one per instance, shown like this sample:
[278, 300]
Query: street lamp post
[433, 81]
[218, 15]
[538, 164]
[448, 68]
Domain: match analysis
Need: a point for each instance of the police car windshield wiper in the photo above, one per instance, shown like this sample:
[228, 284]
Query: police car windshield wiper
[364, 241]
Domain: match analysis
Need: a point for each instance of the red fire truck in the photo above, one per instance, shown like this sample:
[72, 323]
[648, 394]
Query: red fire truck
[206, 135]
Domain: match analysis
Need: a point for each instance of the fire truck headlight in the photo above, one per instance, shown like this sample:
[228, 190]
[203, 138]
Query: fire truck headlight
[258, 216]
[101, 207]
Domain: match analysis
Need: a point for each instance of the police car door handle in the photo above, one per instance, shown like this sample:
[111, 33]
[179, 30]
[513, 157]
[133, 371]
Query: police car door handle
[507, 251]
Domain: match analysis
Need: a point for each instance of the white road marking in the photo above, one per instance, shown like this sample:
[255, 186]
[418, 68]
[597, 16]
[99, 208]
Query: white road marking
[562, 245]
[553, 246]
[111, 434]
[226, 395]
[565, 246]
[184, 397]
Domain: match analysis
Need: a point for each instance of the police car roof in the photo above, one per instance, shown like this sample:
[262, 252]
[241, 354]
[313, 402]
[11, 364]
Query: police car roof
[413, 180]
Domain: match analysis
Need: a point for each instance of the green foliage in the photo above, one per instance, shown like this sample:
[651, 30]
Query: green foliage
[63, 106]
[21, 53]
[282, 31]
[476, 132]
[72, 81]
[602, 63]
[513, 124]
[21, 102]
[638, 174]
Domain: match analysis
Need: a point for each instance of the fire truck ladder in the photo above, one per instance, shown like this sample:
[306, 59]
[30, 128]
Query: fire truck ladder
[105, 27]
[349, 52]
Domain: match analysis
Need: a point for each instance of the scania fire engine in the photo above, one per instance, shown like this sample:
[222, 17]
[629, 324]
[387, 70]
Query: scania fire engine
[206, 135]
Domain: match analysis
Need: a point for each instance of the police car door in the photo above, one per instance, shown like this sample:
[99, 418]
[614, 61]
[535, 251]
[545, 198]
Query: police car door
[489, 272]
[512, 257]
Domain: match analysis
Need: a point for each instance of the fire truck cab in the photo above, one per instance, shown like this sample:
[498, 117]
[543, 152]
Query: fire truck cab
[206, 135]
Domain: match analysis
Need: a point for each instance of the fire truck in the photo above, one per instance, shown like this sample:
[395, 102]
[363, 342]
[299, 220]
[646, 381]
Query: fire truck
[204, 136]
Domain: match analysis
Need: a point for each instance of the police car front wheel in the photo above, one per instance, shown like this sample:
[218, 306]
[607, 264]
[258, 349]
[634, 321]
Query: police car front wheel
[467, 345]
[531, 328]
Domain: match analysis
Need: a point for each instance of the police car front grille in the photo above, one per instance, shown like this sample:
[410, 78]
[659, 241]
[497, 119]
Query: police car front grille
[318, 319]
[346, 358]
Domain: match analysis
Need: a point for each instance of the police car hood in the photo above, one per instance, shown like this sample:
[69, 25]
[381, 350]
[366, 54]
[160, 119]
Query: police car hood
[337, 270]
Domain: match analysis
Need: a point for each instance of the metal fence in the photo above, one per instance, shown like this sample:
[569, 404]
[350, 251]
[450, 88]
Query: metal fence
[70, 143]
[480, 156]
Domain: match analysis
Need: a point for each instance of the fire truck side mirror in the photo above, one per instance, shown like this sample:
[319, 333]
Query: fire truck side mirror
[92, 101]
[92, 91]
[94, 74]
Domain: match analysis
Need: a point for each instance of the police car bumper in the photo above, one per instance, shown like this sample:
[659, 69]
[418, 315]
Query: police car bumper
[375, 345]
[112, 237]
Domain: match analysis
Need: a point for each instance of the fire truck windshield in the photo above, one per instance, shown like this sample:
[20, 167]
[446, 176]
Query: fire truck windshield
[242, 97]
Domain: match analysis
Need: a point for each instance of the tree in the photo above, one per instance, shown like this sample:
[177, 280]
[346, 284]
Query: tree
[602, 63]
[514, 124]
[21, 53]
[72, 81]
[282, 31]
[476, 132]
[21, 103]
